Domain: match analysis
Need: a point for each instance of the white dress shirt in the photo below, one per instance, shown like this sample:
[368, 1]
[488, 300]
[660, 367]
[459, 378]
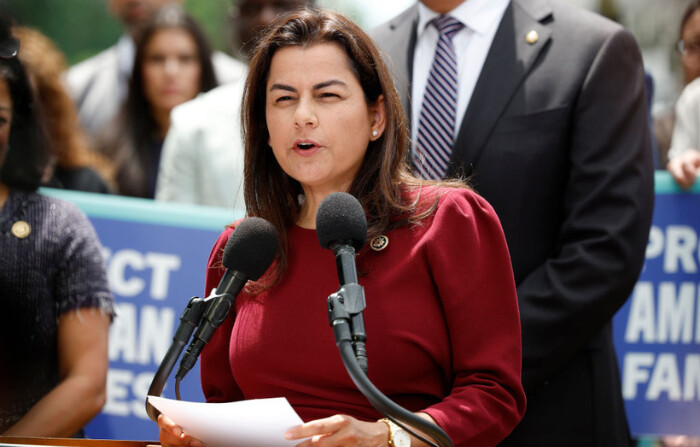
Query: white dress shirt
[481, 19]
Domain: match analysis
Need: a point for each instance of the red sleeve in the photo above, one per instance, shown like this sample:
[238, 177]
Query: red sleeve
[471, 267]
[218, 384]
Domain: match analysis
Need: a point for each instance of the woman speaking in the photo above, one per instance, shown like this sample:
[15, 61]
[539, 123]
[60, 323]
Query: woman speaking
[321, 115]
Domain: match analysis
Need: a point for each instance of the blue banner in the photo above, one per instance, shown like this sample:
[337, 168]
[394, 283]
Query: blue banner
[156, 254]
[657, 331]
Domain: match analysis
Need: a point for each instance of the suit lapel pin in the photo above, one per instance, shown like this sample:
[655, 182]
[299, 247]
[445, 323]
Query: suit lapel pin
[532, 37]
[21, 229]
[379, 243]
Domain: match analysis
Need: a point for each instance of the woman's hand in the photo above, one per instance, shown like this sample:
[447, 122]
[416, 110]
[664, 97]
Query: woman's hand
[340, 430]
[684, 168]
[171, 434]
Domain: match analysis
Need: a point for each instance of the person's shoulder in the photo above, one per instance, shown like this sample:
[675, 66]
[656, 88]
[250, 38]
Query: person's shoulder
[691, 92]
[582, 35]
[218, 249]
[228, 69]
[106, 56]
[66, 208]
[579, 24]
[462, 198]
[385, 29]
[452, 208]
[587, 21]
[82, 72]
[65, 216]
[228, 231]
[450, 199]
[224, 99]
[693, 86]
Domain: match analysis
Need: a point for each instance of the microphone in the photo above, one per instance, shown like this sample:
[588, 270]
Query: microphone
[248, 254]
[341, 226]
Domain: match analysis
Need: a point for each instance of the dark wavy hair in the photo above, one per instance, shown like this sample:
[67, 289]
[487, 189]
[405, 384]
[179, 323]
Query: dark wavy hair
[27, 157]
[384, 185]
[128, 142]
[46, 65]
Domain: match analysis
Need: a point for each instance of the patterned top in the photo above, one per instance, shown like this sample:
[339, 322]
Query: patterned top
[50, 264]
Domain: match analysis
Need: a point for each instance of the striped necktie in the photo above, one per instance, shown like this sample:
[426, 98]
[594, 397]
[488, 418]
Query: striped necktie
[436, 122]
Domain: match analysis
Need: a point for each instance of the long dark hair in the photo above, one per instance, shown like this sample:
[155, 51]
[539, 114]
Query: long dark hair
[384, 185]
[45, 63]
[27, 153]
[129, 141]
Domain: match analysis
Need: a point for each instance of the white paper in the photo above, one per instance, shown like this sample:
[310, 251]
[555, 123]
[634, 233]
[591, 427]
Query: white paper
[249, 423]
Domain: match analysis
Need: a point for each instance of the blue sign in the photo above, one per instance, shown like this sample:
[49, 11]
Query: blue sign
[156, 254]
[657, 331]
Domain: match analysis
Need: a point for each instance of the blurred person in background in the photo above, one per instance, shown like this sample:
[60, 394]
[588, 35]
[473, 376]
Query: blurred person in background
[202, 160]
[684, 155]
[172, 65]
[689, 42]
[99, 84]
[683, 144]
[74, 165]
[248, 18]
[688, 46]
[57, 306]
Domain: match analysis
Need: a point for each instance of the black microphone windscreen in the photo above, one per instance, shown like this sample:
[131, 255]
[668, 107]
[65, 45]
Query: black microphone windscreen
[251, 248]
[340, 218]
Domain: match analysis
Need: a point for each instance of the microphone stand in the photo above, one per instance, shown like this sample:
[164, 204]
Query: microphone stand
[344, 308]
[351, 297]
[189, 320]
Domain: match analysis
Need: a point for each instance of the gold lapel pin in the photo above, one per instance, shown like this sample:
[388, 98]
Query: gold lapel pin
[532, 37]
[21, 229]
[379, 243]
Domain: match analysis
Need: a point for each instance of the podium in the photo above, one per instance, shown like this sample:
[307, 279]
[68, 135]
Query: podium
[77, 442]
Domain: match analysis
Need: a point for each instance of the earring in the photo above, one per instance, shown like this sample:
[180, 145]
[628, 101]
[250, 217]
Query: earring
[375, 133]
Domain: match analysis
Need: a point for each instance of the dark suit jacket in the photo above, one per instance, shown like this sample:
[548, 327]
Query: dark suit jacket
[556, 139]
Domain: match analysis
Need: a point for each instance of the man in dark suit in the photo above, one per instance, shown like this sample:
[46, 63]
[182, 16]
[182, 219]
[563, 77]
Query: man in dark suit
[553, 133]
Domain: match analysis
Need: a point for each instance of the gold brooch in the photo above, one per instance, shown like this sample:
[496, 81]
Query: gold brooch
[379, 243]
[21, 229]
[532, 37]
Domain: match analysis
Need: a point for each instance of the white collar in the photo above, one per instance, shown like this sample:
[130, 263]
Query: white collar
[477, 15]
